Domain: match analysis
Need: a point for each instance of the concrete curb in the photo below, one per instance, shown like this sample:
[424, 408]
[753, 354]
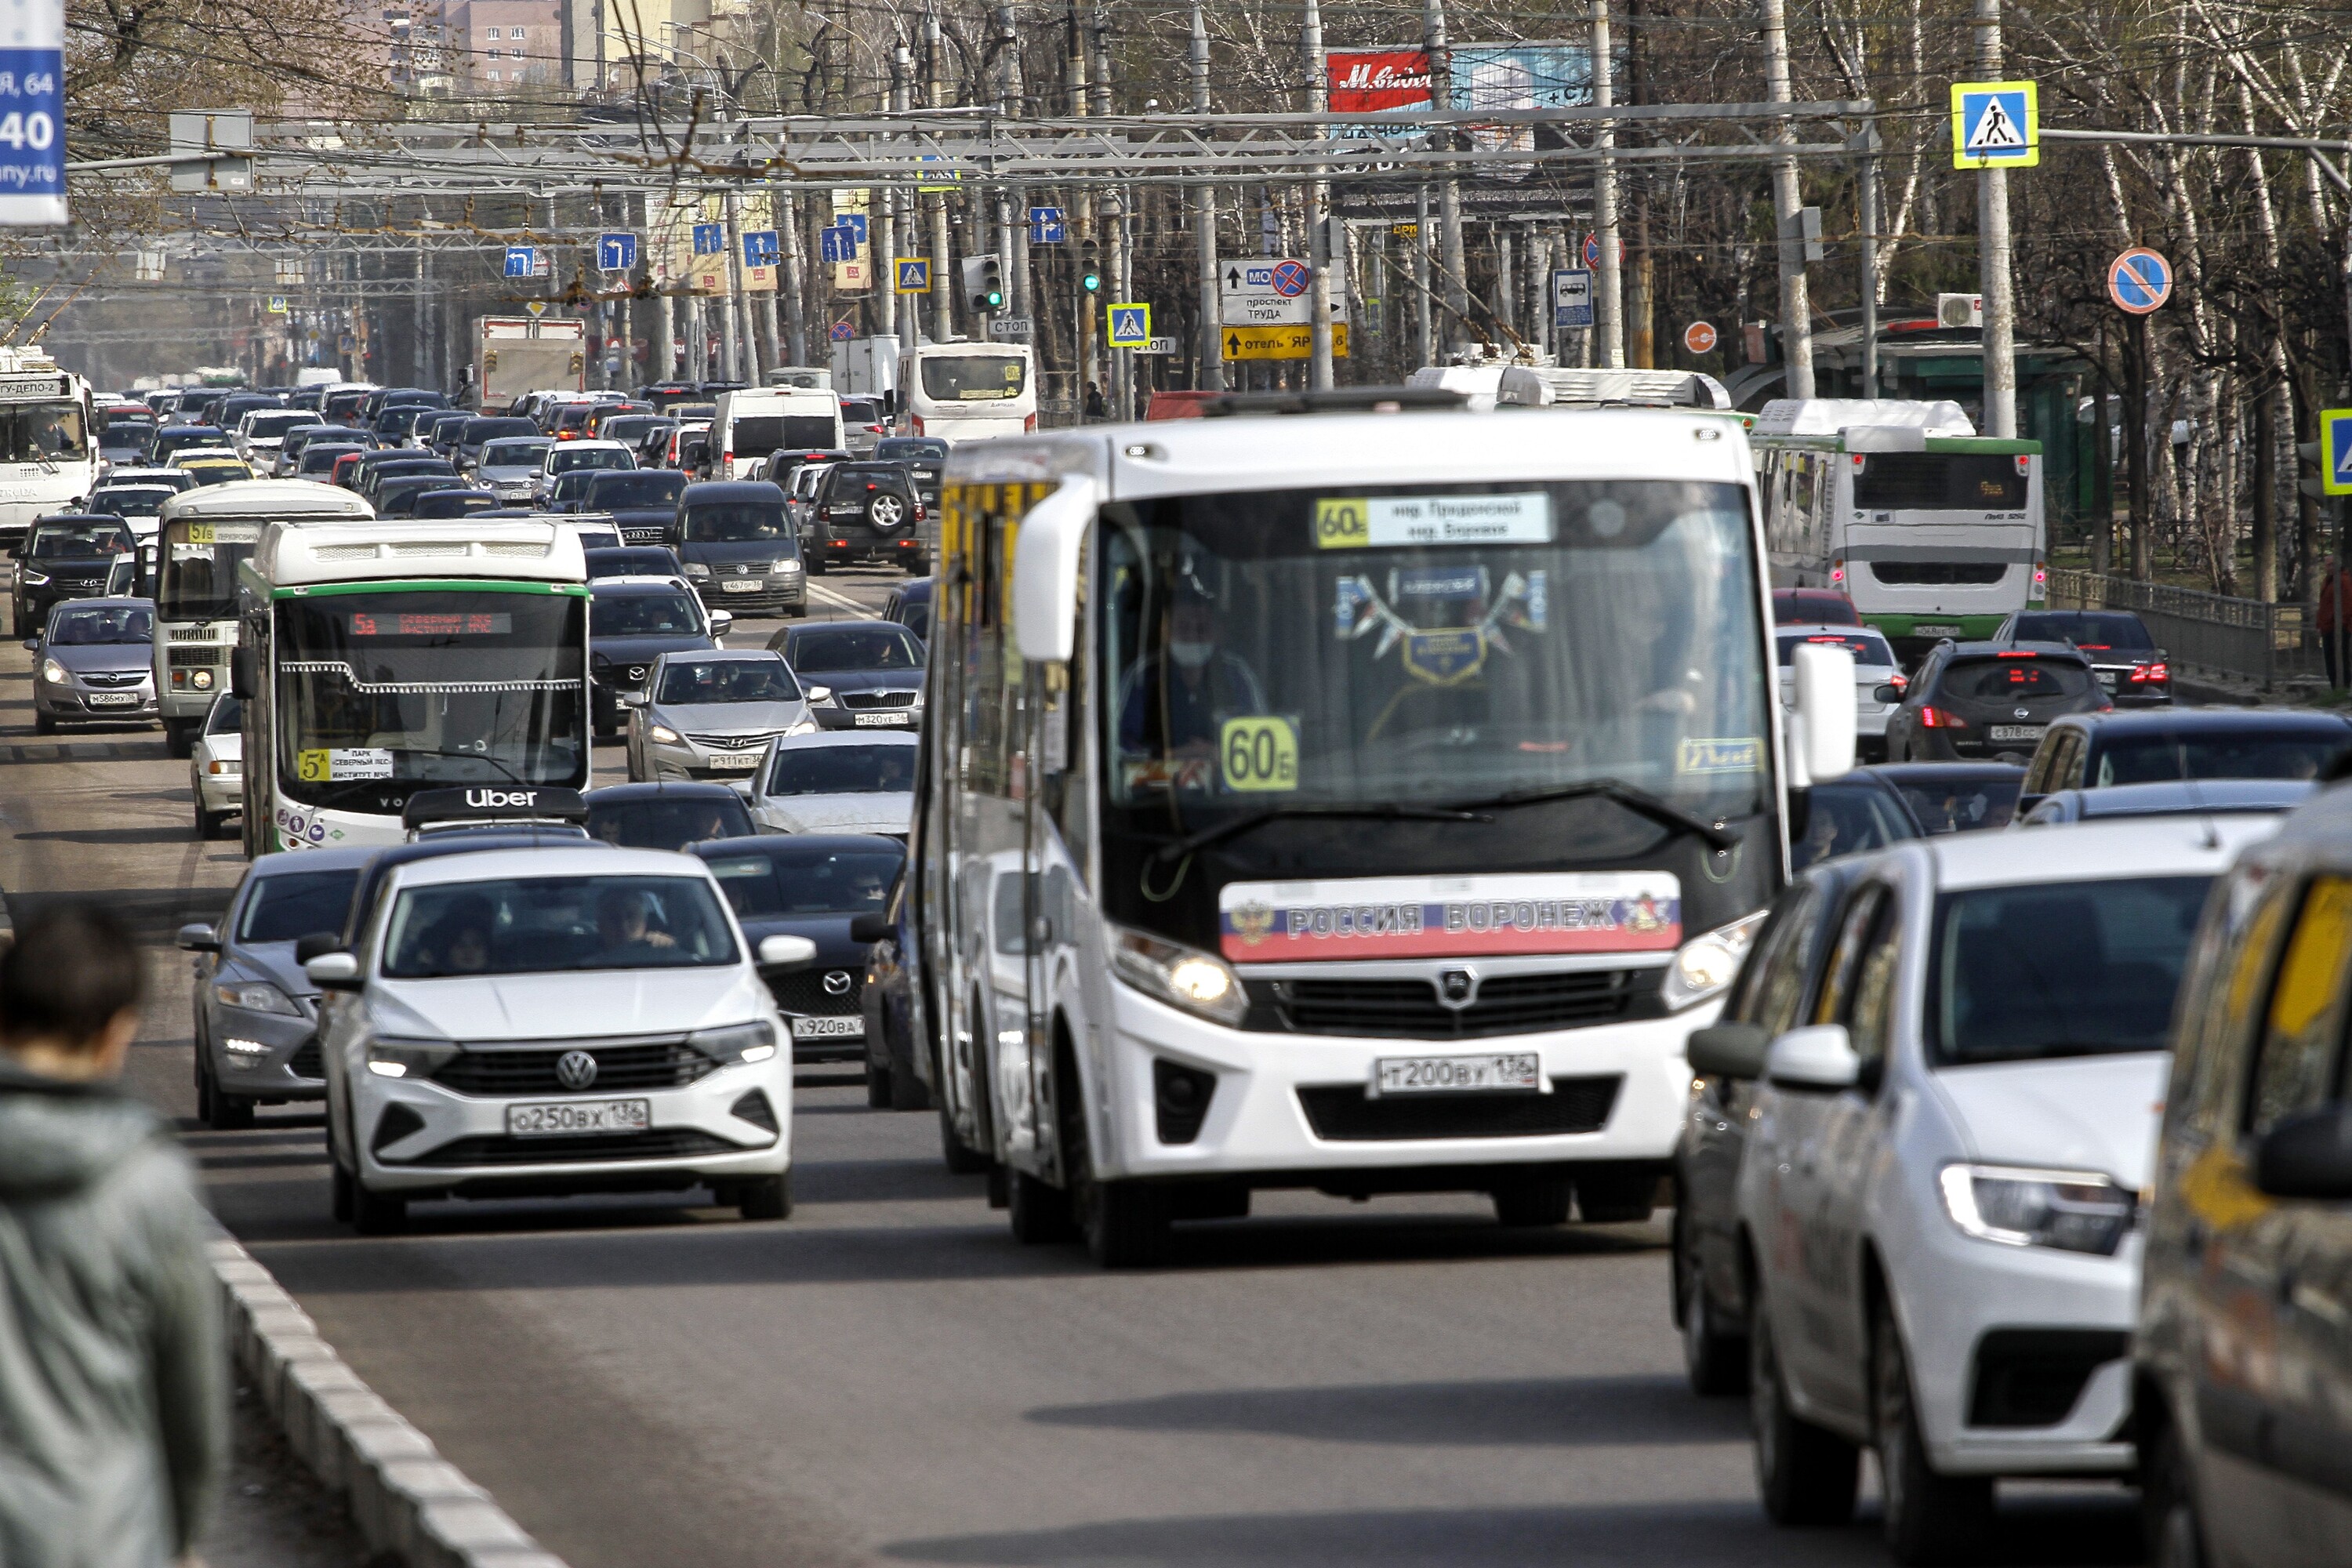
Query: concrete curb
[412, 1506]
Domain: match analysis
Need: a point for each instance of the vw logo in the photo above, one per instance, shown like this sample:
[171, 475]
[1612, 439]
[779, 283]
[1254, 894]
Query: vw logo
[575, 1070]
[836, 983]
[1456, 987]
[2023, 712]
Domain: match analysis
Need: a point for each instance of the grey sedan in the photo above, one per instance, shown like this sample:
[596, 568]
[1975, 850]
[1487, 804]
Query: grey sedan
[94, 661]
[511, 466]
[257, 1012]
[708, 714]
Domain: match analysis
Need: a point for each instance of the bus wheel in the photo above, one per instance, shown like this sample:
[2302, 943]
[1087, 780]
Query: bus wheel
[961, 1161]
[1125, 1223]
[179, 739]
[1040, 1212]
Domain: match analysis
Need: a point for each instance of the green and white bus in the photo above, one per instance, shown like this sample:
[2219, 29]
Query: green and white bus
[376, 659]
[1932, 530]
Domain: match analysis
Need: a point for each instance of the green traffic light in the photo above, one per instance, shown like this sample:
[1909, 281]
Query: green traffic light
[1093, 282]
[995, 297]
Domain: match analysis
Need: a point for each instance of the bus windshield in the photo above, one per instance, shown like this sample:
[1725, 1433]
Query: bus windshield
[1434, 644]
[972, 378]
[42, 433]
[380, 692]
[198, 577]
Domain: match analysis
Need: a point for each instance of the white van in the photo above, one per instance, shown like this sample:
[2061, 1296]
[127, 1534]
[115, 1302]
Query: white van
[756, 421]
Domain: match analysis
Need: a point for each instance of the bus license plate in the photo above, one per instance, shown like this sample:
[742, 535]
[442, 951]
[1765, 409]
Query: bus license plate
[829, 1029]
[1508, 1071]
[112, 698]
[569, 1118]
[735, 761]
[2017, 731]
[1934, 629]
[881, 720]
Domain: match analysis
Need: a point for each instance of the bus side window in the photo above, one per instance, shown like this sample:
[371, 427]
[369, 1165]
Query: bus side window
[985, 731]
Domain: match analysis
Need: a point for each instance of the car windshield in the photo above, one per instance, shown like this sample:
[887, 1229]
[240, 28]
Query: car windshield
[1813, 606]
[291, 906]
[266, 425]
[567, 455]
[530, 925]
[693, 683]
[1962, 805]
[2153, 759]
[643, 614]
[649, 488]
[1844, 818]
[2024, 973]
[514, 454]
[842, 770]
[1463, 641]
[227, 718]
[42, 432]
[915, 449]
[847, 648]
[736, 522]
[621, 561]
[789, 881]
[319, 459]
[2089, 629]
[73, 541]
[1867, 647]
[129, 501]
[972, 378]
[2015, 680]
[669, 821]
[101, 625]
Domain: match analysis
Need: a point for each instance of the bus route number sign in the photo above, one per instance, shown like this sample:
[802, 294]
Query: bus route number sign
[1259, 754]
[1342, 522]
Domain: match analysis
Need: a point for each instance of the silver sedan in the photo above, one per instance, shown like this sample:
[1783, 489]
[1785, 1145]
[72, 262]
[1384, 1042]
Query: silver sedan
[709, 713]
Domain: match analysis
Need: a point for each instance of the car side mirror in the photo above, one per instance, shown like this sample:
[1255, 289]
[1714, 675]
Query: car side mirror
[32, 645]
[2307, 1155]
[873, 926]
[1823, 713]
[1821, 1057]
[2025, 805]
[1728, 1050]
[313, 943]
[335, 972]
[1886, 691]
[785, 955]
[722, 622]
[634, 699]
[198, 937]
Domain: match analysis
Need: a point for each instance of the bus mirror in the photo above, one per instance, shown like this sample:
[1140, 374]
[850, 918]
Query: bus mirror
[1825, 705]
[241, 682]
[1045, 571]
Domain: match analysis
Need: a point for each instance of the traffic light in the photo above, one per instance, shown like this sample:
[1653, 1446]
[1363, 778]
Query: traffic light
[1090, 266]
[984, 284]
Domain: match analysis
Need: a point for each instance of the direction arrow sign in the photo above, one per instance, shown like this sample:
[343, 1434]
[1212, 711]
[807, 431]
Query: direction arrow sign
[1271, 292]
[1571, 297]
[616, 252]
[1046, 226]
[1130, 326]
[710, 239]
[2335, 451]
[521, 260]
[1281, 342]
[2139, 281]
[762, 247]
[914, 275]
[839, 243]
[1996, 125]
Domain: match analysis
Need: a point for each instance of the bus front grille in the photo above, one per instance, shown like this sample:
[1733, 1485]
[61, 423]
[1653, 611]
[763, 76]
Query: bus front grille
[1412, 1009]
[1345, 1113]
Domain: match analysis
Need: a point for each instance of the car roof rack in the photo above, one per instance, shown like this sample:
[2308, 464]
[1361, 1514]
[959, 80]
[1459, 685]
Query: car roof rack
[1337, 400]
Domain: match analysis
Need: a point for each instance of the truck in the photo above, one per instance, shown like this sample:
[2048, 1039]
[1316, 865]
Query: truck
[515, 355]
[867, 367]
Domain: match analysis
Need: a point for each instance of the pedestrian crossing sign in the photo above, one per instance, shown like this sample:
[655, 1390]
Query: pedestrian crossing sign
[1130, 326]
[2336, 447]
[1996, 125]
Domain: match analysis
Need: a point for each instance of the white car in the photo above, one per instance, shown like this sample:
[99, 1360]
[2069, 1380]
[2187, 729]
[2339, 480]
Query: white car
[840, 781]
[564, 457]
[216, 767]
[1940, 1186]
[1874, 667]
[554, 1020]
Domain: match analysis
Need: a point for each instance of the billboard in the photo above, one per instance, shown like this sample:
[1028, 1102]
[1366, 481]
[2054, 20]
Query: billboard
[1364, 81]
[1520, 75]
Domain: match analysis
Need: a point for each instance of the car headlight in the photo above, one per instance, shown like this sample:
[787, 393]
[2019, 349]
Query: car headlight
[31, 578]
[2073, 1211]
[1705, 965]
[1186, 977]
[696, 571]
[785, 567]
[53, 672]
[256, 996]
[753, 1042]
[819, 696]
[664, 734]
[805, 727]
[408, 1059]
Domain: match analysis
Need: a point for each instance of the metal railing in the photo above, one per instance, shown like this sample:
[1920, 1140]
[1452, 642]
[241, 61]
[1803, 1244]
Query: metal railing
[2269, 643]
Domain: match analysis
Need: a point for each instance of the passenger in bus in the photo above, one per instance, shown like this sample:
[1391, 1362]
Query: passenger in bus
[1173, 701]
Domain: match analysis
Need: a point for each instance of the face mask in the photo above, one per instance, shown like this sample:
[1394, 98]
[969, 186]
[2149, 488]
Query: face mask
[1192, 655]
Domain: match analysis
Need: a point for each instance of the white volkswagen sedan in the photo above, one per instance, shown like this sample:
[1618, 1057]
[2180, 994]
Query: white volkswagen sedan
[837, 780]
[554, 1020]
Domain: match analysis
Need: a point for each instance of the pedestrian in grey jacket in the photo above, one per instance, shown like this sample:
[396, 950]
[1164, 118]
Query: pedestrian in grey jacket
[112, 1377]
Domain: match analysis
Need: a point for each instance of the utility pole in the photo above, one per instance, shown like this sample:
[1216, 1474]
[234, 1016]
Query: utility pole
[1867, 199]
[731, 322]
[1449, 189]
[1610, 303]
[1796, 308]
[1992, 257]
[1424, 323]
[1077, 46]
[906, 310]
[936, 203]
[1318, 207]
[1204, 224]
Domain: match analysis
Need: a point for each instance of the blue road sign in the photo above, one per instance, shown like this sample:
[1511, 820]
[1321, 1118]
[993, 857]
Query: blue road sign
[914, 275]
[616, 252]
[1046, 226]
[710, 239]
[2336, 446]
[1130, 326]
[855, 224]
[842, 332]
[2139, 281]
[523, 260]
[1996, 125]
[762, 247]
[838, 242]
[1571, 297]
[32, 104]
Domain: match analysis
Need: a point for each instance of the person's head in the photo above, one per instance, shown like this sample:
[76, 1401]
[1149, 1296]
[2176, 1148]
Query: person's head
[69, 992]
[621, 916]
[1192, 630]
[466, 947]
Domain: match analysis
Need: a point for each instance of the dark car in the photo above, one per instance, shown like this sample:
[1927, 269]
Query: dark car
[632, 561]
[233, 409]
[1813, 607]
[319, 457]
[397, 494]
[460, 501]
[859, 674]
[664, 394]
[786, 461]
[898, 1043]
[813, 885]
[1846, 816]
[1775, 992]
[926, 456]
[631, 620]
[1986, 699]
[172, 439]
[909, 604]
[2131, 667]
[2182, 797]
[2100, 751]
[438, 430]
[634, 430]
[668, 815]
[125, 442]
[482, 429]
[76, 556]
[1953, 797]
[362, 474]
[642, 502]
[738, 549]
[868, 511]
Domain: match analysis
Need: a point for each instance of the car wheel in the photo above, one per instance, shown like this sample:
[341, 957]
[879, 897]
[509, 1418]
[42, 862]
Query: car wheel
[377, 1213]
[44, 723]
[1930, 1518]
[229, 1112]
[2167, 1499]
[816, 566]
[1805, 1474]
[1715, 1362]
[878, 1086]
[908, 1092]
[339, 1187]
[1040, 1212]
[961, 1159]
[1606, 1197]
[211, 823]
[770, 1198]
[1534, 1202]
[204, 1087]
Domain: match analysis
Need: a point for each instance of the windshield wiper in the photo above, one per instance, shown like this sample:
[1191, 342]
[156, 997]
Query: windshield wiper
[1630, 796]
[1178, 849]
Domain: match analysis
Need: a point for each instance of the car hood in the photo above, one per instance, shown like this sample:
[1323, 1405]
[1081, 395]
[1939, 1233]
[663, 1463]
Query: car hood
[642, 651]
[830, 932]
[50, 566]
[91, 658]
[506, 475]
[640, 515]
[273, 962]
[730, 717]
[574, 1005]
[891, 812]
[2076, 1113]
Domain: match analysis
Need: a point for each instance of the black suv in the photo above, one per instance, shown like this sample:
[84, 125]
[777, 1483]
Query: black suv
[70, 557]
[868, 511]
[1973, 701]
[2131, 667]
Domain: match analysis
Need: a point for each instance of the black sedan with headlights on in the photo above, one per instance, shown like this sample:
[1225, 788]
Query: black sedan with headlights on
[858, 675]
[816, 885]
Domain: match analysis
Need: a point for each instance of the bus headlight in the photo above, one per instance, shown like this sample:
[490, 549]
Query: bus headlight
[202, 680]
[1706, 964]
[1185, 977]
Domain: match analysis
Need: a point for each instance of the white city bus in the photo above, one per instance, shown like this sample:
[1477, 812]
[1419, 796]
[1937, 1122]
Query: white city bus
[379, 658]
[1933, 530]
[48, 449]
[202, 537]
[1365, 803]
[966, 391]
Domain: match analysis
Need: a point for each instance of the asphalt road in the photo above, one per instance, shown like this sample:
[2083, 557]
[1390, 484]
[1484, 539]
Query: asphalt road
[888, 1377]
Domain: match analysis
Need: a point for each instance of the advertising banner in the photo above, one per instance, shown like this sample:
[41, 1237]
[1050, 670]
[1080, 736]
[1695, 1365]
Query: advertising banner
[1365, 81]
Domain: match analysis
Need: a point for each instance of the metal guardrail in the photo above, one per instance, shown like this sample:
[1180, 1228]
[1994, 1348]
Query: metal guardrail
[2269, 643]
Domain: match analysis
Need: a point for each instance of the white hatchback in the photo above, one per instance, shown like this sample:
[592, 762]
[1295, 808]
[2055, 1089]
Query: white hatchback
[554, 1020]
[1939, 1195]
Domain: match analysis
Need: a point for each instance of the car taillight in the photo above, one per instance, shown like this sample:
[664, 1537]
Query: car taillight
[1837, 573]
[1898, 680]
[2151, 672]
[1941, 719]
[1030, 425]
[918, 420]
[919, 512]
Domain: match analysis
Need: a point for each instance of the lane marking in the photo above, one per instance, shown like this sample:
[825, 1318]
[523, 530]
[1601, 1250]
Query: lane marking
[843, 602]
